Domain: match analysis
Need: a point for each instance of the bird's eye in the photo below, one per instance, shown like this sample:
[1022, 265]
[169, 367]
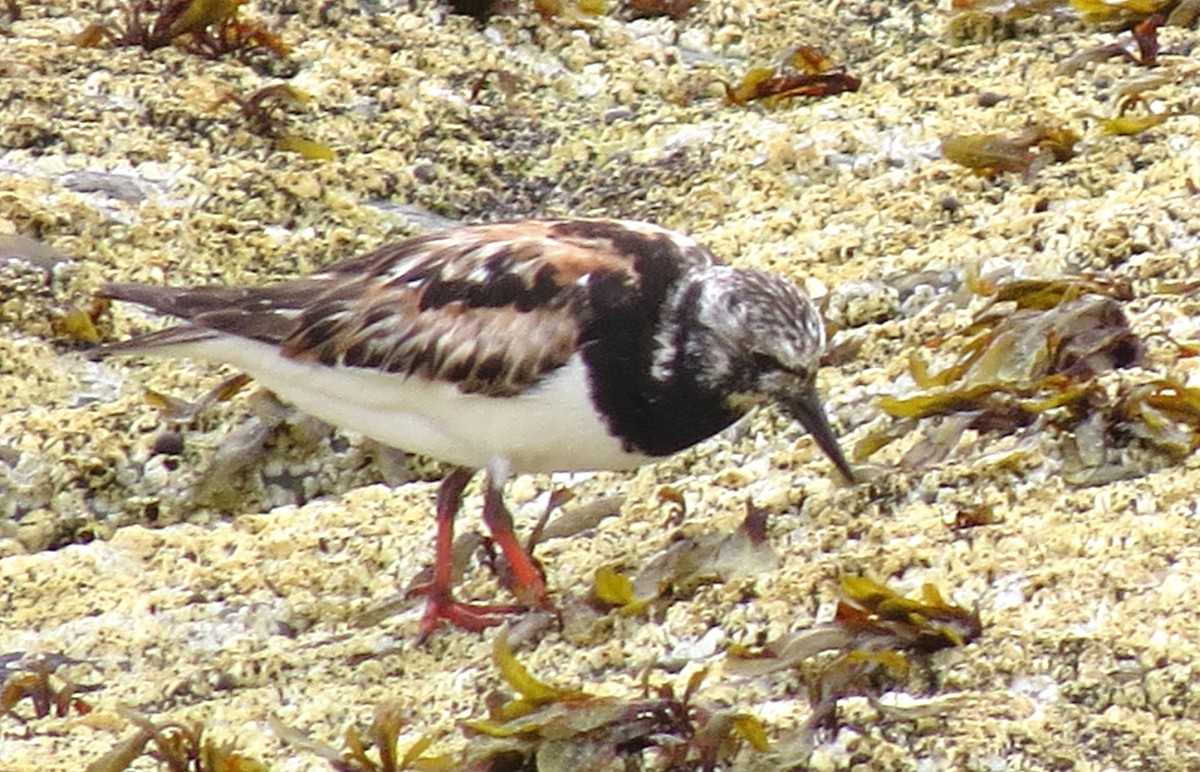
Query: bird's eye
[765, 362]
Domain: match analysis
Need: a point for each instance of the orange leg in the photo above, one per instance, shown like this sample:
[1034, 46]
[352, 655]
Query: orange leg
[439, 597]
[528, 583]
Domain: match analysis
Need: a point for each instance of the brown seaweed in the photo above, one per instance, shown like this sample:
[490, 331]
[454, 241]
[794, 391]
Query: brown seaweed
[557, 729]
[36, 678]
[687, 562]
[1037, 360]
[208, 28]
[176, 746]
[672, 9]
[263, 111]
[378, 750]
[805, 71]
[1025, 153]
[873, 638]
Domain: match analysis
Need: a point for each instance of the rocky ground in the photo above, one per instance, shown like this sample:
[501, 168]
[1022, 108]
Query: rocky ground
[230, 564]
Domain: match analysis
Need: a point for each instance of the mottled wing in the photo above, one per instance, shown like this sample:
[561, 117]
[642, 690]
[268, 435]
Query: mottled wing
[491, 308]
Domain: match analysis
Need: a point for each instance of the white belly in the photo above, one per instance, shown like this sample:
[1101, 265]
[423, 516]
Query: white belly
[553, 428]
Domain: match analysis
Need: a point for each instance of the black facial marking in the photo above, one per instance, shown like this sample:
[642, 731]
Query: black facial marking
[655, 418]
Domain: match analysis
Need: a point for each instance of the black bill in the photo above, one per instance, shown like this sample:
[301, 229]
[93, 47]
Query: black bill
[806, 408]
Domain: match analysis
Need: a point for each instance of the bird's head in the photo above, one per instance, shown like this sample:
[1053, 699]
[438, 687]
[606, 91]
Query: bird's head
[762, 340]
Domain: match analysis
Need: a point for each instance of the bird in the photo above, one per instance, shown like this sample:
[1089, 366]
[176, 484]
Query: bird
[520, 347]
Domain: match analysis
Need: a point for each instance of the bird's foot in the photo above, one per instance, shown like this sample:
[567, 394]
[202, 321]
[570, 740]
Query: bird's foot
[473, 617]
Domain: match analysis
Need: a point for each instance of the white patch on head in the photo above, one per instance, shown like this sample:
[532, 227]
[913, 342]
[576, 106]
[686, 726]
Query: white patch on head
[662, 363]
[743, 313]
[666, 345]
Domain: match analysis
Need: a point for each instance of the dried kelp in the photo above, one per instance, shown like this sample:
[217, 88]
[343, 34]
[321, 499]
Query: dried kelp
[1121, 12]
[672, 9]
[1165, 413]
[1037, 359]
[377, 751]
[556, 729]
[181, 411]
[552, 728]
[870, 617]
[78, 324]
[1145, 37]
[1025, 153]
[37, 678]
[805, 71]
[264, 112]
[1131, 94]
[867, 647]
[208, 28]
[1032, 351]
[549, 10]
[178, 747]
[688, 562]
[1126, 123]
[975, 21]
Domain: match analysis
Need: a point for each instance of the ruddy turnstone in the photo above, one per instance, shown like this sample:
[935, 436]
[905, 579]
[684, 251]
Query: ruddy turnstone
[535, 346]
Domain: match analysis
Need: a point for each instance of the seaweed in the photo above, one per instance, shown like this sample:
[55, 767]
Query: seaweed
[1037, 359]
[977, 21]
[483, 10]
[1124, 124]
[179, 747]
[263, 111]
[1145, 38]
[868, 647]
[35, 677]
[870, 617]
[804, 71]
[1025, 153]
[505, 81]
[672, 9]
[479, 10]
[571, 10]
[1036, 350]
[259, 108]
[381, 740]
[686, 563]
[77, 324]
[1119, 11]
[207, 28]
[556, 729]
[1159, 411]
[181, 411]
